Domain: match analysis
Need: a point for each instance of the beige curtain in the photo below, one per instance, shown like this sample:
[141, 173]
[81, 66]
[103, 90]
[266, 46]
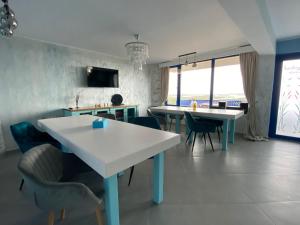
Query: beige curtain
[164, 84]
[248, 62]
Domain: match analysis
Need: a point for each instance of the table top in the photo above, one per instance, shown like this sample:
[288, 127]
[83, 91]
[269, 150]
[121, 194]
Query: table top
[112, 149]
[212, 113]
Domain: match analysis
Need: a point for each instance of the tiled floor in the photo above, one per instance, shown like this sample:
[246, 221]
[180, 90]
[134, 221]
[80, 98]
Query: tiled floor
[253, 183]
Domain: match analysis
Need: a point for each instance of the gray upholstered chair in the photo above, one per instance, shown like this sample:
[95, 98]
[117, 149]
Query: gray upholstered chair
[42, 169]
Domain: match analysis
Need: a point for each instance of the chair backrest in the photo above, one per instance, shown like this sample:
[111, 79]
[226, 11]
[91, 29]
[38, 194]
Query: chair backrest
[23, 133]
[145, 121]
[244, 106]
[107, 116]
[189, 120]
[42, 169]
[41, 164]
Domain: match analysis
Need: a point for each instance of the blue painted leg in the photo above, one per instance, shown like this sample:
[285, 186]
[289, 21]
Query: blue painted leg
[166, 118]
[177, 124]
[225, 135]
[111, 200]
[232, 131]
[121, 174]
[65, 150]
[158, 178]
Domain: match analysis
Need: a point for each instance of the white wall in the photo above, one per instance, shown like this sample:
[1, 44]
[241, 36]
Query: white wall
[38, 79]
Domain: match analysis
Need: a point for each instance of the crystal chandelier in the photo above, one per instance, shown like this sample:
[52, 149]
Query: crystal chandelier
[8, 22]
[138, 53]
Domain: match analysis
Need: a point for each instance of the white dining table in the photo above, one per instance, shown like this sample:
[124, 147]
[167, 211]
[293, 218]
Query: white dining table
[111, 150]
[228, 116]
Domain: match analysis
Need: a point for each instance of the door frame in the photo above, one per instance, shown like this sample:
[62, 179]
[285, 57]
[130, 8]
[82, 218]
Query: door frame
[276, 94]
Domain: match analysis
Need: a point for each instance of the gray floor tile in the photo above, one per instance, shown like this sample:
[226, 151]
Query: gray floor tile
[283, 213]
[253, 183]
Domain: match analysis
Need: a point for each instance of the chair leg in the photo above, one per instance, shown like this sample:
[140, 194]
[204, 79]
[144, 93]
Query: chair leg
[62, 214]
[21, 185]
[170, 124]
[188, 136]
[218, 134]
[211, 142]
[131, 173]
[99, 216]
[51, 218]
[204, 136]
[194, 141]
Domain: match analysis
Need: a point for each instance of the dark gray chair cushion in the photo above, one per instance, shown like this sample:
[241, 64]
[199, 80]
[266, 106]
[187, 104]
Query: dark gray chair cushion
[42, 169]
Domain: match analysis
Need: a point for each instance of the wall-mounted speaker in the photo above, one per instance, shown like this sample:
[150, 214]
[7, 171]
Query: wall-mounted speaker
[116, 99]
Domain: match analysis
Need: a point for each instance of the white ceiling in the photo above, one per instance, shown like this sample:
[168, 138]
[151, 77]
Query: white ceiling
[171, 27]
[285, 17]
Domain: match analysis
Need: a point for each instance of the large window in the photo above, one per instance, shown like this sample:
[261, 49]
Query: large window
[228, 83]
[195, 83]
[207, 82]
[173, 79]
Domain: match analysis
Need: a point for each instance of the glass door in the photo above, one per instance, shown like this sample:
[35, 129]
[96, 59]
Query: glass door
[288, 98]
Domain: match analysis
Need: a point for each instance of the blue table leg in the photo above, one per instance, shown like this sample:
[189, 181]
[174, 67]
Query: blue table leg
[177, 124]
[158, 178]
[111, 200]
[121, 174]
[225, 134]
[232, 131]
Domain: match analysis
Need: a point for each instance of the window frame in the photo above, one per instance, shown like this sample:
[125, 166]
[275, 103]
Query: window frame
[212, 78]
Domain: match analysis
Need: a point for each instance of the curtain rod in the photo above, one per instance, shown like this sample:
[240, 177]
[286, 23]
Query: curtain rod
[210, 55]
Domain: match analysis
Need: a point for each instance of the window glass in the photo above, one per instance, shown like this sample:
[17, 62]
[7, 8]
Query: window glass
[172, 95]
[228, 83]
[195, 83]
[288, 115]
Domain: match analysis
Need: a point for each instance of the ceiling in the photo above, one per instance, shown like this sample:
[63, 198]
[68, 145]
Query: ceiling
[285, 17]
[171, 27]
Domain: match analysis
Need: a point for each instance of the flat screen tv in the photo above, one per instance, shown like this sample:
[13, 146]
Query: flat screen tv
[102, 77]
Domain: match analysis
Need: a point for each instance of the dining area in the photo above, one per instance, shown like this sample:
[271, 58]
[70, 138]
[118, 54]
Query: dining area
[166, 177]
[109, 115]
[106, 147]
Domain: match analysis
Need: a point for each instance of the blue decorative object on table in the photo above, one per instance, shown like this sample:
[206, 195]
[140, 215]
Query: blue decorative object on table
[100, 123]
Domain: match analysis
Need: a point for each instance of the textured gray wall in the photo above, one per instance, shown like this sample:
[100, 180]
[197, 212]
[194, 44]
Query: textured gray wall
[264, 89]
[154, 73]
[38, 79]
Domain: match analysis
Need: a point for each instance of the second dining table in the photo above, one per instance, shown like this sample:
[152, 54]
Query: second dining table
[228, 116]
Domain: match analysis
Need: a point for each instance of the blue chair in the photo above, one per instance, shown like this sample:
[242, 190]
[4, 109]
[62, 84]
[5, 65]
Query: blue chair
[218, 123]
[28, 137]
[144, 121]
[204, 127]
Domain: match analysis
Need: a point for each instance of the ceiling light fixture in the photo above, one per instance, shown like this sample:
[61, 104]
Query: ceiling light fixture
[186, 61]
[8, 22]
[138, 53]
[186, 57]
[194, 63]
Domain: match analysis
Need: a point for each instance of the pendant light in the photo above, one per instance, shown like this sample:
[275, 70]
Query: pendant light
[8, 22]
